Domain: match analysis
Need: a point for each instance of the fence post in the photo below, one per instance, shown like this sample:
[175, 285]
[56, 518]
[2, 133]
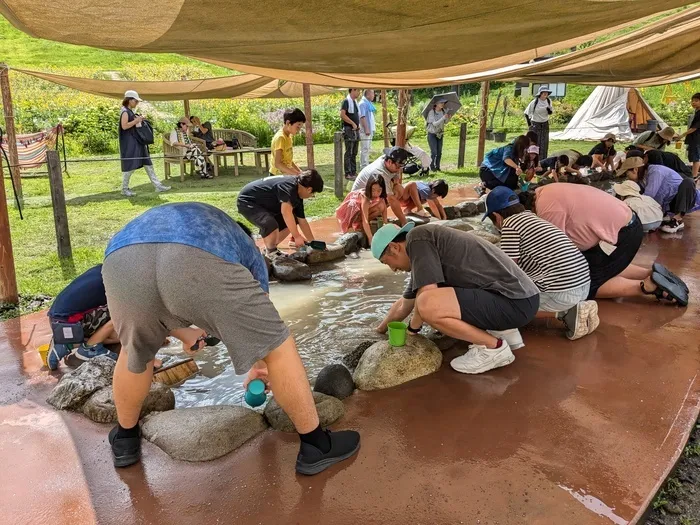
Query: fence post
[10, 130]
[8, 279]
[58, 199]
[338, 164]
[462, 144]
[483, 116]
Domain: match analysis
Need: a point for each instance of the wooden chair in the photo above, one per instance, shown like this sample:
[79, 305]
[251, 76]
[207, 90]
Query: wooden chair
[173, 155]
[245, 139]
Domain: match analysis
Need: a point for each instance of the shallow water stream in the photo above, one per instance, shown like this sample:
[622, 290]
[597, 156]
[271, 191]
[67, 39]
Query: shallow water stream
[328, 316]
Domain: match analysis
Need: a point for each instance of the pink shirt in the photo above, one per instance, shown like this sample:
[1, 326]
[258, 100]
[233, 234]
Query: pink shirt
[585, 214]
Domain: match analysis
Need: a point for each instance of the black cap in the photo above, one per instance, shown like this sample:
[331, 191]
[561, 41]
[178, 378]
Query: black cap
[397, 154]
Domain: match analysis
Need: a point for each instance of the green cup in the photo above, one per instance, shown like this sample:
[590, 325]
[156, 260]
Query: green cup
[397, 333]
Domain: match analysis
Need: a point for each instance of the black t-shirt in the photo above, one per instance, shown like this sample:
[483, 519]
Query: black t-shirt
[271, 192]
[206, 137]
[549, 163]
[602, 149]
[694, 138]
[670, 160]
[354, 116]
[86, 292]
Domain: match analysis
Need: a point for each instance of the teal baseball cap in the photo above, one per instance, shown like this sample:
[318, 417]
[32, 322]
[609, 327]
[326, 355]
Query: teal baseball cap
[385, 235]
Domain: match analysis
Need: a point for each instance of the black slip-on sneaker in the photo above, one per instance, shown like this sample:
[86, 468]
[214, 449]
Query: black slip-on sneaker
[125, 451]
[344, 444]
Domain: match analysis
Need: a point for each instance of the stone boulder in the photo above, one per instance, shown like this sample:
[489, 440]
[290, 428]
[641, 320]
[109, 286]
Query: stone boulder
[351, 359]
[202, 433]
[100, 406]
[352, 242]
[286, 269]
[76, 386]
[451, 213]
[329, 411]
[333, 252]
[467, 209]
[335, 380]
[384, 366]
[487, 236]
[299, 255]
[481, 205]
[457, 224]
[418, 221]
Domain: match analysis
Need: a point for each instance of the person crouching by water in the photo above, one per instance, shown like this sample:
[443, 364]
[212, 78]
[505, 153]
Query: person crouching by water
[501, 166]
[276, 206]
[428, 193]
[362, 206]
[461, 285]
[204, 269]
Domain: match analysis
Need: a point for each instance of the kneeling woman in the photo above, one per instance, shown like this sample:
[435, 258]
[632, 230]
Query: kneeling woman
[362, 206]
[501, 167]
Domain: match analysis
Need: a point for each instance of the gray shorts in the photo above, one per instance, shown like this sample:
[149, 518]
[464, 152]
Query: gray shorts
[155, 288]
[563, 301]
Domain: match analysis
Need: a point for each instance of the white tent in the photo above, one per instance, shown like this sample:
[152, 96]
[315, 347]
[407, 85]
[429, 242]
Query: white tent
[617, 110]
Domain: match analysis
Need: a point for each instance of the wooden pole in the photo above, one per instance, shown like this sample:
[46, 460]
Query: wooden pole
[462, 144]
[10, 129]
[403, 115]
[310, 162]
[8, 279]
[385, 120]
[186, 102]
[58, 199]
[483, 115]
[338, 164]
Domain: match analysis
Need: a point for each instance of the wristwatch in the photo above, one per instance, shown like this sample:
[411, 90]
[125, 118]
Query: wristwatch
[414, 330]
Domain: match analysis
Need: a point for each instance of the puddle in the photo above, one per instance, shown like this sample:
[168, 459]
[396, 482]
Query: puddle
[595, 505]
[328, 316]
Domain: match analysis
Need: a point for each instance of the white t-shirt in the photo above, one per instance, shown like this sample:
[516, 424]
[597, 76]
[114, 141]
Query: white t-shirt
[647, 209]
[376, 168]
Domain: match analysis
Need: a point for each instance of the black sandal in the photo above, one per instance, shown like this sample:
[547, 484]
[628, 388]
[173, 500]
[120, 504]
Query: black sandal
[661, 269]
[674, 293]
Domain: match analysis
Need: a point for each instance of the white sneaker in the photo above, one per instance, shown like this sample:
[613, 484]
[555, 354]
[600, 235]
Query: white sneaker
[481, 359]
[128, 193]
[673, 226]
[161, 188]
[593, 319]
[512, 337]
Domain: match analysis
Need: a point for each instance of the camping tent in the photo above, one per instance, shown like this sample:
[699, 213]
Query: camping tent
[617, 110]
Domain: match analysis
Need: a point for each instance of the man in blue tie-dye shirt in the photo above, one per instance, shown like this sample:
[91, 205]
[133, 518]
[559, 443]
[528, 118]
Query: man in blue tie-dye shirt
[191, 264]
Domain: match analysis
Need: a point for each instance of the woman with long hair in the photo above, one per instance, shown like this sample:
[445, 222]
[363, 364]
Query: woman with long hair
[501, 166]
[537, 114]
[133, 154]
[435, 125]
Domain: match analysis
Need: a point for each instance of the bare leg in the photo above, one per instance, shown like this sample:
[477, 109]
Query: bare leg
[635, 272]
[271, 241]
[620, 286]
[545, 315]
[105, 334]
[376, 210]
[439, 308]
[290, 386]
[396, 208]
[189, 336]
[696, 169]
[130, 390]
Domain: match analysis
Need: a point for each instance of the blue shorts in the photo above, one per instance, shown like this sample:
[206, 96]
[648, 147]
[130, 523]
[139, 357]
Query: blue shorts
[694, 152]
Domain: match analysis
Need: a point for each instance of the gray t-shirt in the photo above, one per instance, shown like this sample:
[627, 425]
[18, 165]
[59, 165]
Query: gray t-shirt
[376, 168]
[456, 259]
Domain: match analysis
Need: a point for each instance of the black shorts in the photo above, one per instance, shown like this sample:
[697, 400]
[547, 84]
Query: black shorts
[266, 221]
[694, 152]
[684, 201]
[493, 311]
[604, 267]
[491, 181]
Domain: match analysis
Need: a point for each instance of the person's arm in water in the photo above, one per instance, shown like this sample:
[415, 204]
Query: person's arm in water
[291, 223]
[364, 211]
[128, 125]
[398, 312]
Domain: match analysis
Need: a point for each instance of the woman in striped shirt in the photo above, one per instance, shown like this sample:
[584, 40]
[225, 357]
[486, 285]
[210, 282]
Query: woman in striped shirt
[549, 258]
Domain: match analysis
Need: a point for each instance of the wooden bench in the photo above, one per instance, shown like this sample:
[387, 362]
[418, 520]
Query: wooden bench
[173, 155]
[246, 140]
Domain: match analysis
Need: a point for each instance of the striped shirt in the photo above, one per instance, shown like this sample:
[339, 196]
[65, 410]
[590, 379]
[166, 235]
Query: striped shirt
[544, 253]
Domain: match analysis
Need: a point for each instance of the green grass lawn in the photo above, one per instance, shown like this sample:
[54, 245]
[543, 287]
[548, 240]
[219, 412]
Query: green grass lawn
[96, 209]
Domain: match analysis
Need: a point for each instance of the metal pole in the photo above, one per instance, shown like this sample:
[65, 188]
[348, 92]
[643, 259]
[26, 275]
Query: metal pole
[385, 120]
[10, 129]
[310, 162]
[338, 164]
[58, 199]
[483, 115]
[8, 279]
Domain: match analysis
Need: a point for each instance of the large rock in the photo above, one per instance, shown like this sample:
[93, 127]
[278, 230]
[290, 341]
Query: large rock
[457, 224]
[417, 220]
[333, 252]
[299, 255]
[100, 406]
[351, 359]
[202, 433]
[77, 385]
[286, 269]
[335, 380]
[451, 213]
[268, 263]
[467, 209]
[487, 236]
[329, 411]
[352, 241]
[481, 205]
[384, 366]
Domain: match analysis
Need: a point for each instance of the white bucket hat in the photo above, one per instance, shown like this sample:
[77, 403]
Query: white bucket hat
[132, 94]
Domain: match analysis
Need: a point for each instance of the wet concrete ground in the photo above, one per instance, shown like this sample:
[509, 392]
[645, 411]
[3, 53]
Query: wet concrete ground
[571, 433]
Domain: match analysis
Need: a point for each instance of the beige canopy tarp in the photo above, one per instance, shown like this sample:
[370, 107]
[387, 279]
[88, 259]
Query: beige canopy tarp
[236, 86]
[414, 39]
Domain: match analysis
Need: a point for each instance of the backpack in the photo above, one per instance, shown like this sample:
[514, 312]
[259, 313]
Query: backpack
[144, 134]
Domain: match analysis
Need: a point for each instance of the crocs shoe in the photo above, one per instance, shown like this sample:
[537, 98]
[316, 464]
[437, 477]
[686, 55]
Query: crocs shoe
[125, 451]
[56, 353]
[85, 352]
[311, 460]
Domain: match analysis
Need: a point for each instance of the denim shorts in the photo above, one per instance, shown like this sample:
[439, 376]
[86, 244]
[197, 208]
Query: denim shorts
[562, 301]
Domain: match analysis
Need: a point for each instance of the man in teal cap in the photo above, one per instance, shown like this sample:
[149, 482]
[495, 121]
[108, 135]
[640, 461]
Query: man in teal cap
[462, 286]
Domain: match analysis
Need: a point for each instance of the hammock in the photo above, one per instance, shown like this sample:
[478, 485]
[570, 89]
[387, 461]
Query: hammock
[32, 147]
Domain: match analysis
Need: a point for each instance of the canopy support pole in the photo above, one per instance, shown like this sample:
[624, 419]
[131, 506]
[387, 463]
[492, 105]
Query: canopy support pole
[186, 102]
[10, 130]
[310, 162]
[8, 279]
[403, 115]
[385, 120]
[483, 116]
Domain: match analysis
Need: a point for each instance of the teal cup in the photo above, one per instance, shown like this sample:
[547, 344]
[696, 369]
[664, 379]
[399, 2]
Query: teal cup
[255, 393]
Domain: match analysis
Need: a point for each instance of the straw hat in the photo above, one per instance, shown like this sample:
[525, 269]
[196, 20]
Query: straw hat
[630, 163]
[629, 188]
[609, 136]
[667, 133]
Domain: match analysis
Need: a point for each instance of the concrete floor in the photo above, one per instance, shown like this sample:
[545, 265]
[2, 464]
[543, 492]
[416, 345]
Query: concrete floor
[571, 433]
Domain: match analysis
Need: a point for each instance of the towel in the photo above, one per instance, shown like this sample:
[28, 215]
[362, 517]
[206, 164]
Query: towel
[351, 105]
